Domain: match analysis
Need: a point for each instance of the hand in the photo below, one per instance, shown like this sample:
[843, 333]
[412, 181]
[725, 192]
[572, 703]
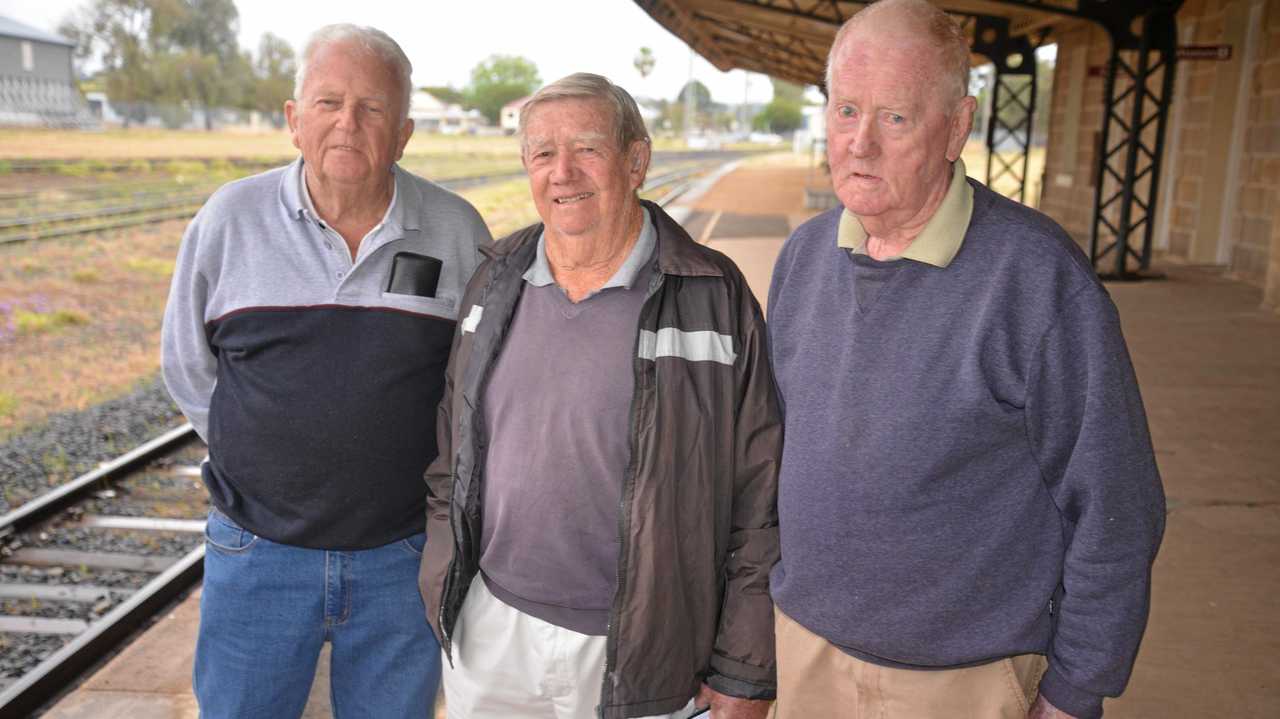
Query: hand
[724, 706]
[1042, 709]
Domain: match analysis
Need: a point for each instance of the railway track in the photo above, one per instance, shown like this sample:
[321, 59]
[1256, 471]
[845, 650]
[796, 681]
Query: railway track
[24, 220]
[85, 565]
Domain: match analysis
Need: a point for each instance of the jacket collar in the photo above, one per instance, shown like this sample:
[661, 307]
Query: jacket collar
[677, 253]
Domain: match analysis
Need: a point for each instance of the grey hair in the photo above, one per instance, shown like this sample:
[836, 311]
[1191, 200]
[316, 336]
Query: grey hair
[370, 39]
[628, 125]
[945, 34]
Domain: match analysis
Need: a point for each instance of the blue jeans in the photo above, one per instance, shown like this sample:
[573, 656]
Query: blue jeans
[266, 609]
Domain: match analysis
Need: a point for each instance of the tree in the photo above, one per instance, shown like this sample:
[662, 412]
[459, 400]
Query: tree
[499, 80]
[274, 71]
[208, 69]
[175, 51]
[783, 114]
[644, 62]
[447, 94]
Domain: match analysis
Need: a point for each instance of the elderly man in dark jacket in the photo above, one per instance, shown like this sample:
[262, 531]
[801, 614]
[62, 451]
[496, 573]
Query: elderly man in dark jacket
[609, 446]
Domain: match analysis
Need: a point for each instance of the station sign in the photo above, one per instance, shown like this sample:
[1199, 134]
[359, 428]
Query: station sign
[1204, 52]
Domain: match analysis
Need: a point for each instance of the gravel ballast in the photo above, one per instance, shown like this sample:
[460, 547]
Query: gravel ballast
[72, 443]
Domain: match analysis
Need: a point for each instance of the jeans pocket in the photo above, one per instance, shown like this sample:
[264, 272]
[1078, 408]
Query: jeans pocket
[226, 536]
[415, 543]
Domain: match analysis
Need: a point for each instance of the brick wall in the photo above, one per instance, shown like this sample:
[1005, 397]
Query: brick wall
[1258, 212]
[1253, 212]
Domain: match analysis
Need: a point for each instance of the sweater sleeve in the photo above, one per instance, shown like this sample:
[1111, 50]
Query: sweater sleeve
[186, 361]
[1086, 425]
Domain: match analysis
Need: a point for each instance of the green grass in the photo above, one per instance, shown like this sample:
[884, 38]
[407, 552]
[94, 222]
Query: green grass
[150, 266]
[33, 322]
[8, 404]
[85, 275]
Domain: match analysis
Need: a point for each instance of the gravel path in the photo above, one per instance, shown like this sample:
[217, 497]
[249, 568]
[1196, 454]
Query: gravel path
[72, 443]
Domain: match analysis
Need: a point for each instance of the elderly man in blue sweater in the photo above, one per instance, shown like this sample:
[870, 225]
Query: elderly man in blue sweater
[968, 502]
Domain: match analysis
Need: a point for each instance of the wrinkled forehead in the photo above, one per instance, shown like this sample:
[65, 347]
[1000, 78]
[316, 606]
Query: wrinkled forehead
[572, 119]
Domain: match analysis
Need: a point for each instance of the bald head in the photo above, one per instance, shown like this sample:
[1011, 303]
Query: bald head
[910, 22]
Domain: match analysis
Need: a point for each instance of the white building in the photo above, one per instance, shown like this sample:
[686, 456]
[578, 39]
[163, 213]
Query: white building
[430, 114]
[509, 118]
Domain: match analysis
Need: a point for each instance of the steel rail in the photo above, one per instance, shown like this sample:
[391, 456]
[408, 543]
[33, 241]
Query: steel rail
[63, 496]
[62, 668]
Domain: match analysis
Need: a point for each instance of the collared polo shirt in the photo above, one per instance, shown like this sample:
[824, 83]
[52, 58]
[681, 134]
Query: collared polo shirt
[939, 241]
[310, 207]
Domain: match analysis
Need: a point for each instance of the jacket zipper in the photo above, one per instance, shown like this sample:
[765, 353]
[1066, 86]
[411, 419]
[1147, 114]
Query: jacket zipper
[628, 484]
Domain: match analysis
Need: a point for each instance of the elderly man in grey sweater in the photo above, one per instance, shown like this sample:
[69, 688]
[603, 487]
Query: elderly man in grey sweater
[306, 336]
[968, 501]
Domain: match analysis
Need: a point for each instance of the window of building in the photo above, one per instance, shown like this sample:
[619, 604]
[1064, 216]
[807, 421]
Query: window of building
[28, 56]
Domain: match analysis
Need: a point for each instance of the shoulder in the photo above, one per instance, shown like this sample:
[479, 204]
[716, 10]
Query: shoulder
[1011, 237]
[437, 204]
[248, 195]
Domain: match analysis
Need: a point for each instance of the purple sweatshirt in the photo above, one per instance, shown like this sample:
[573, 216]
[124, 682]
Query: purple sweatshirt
[967, 472]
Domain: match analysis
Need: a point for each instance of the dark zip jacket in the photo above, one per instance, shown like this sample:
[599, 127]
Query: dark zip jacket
[698, 521]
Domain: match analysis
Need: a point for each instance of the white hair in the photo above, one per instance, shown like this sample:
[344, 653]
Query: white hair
[628, 123]
[934, 23]
[368, 38]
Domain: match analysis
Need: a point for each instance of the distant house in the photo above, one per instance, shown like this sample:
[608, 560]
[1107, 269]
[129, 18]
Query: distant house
[430, 114]
[37, 84]
[509, 118]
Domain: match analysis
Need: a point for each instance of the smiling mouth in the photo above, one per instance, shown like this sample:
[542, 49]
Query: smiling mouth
[572, 198]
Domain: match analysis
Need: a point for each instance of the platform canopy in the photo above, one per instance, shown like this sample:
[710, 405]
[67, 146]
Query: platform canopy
[789, 39]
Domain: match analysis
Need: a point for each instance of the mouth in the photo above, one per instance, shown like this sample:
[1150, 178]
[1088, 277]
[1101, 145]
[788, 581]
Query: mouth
[345, 148]
[863, 176]
[573, 198]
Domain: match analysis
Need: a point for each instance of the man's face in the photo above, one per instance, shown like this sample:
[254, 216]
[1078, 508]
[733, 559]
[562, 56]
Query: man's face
[580, 180]
[347, 122]
[892, 130]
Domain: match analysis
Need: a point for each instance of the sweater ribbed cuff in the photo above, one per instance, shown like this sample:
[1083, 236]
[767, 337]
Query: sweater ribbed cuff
[1065, 696]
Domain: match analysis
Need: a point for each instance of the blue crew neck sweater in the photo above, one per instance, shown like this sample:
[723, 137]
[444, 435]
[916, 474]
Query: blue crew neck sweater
[967, 472]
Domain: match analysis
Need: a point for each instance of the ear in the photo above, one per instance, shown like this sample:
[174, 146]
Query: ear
[638, 156]
[961, 124]
[406, 132]
[291, 117]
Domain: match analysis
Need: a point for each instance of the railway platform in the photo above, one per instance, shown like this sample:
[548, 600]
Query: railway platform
[1208, 360]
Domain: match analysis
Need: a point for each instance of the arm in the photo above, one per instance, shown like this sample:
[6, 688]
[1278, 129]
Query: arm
[742, 662]
[186, 360]
[1088, 430]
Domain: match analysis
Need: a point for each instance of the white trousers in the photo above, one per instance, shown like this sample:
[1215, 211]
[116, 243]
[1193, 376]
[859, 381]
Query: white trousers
[509, 665]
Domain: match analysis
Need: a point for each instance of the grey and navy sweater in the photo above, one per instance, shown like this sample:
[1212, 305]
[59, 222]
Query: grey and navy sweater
[967, 472]
[316, 387]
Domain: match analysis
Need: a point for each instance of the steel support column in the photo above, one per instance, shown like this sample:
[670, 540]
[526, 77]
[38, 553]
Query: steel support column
[1013, 104]
[1139, 91]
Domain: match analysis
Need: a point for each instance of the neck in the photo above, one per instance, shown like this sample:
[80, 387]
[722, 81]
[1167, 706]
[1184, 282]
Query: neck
[347, 204]
[889, 236]
[581, 264]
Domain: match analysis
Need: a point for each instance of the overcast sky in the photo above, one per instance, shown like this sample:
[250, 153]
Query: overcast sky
[446, 38]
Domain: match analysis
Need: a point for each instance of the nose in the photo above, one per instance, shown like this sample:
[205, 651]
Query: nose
[562, 166]
[348, 115]
[863, 141]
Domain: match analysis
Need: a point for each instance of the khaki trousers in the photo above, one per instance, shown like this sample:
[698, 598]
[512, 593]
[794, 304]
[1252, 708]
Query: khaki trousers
[815, 679]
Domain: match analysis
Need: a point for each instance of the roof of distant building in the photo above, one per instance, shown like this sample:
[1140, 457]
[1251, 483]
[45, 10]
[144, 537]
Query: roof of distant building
[517, 103]
[12, 28]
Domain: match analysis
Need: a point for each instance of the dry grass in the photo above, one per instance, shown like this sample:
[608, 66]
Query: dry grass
[80, 318]
[150, 143]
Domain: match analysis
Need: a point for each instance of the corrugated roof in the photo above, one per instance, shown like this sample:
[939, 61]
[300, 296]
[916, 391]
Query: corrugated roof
[12, 28]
